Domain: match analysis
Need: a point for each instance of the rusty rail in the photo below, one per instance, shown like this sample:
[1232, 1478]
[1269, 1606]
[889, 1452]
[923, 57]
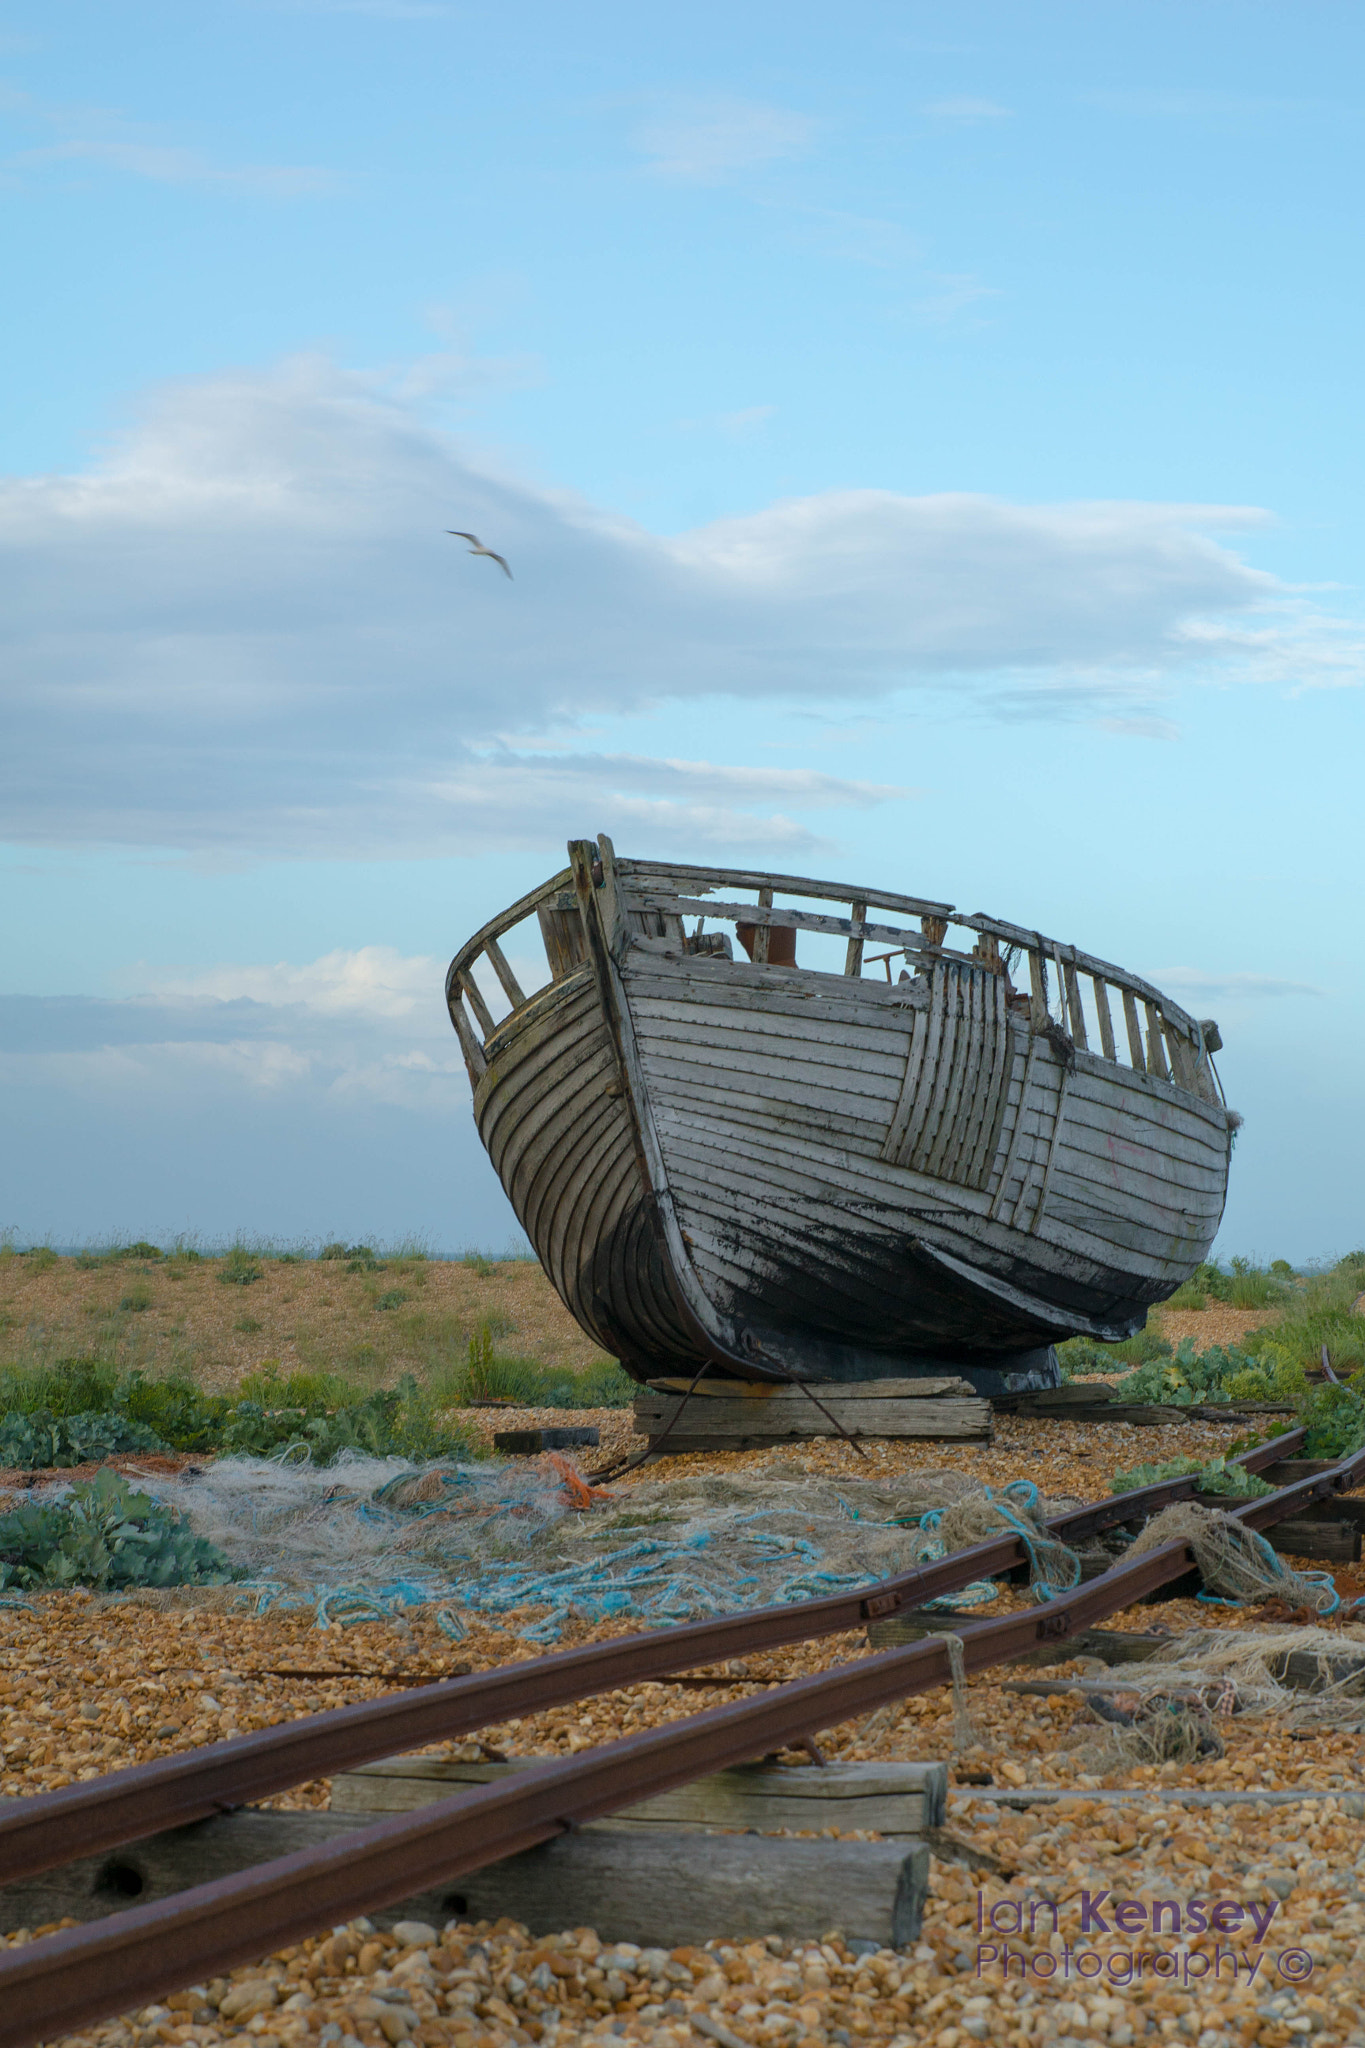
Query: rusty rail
[82, 1820]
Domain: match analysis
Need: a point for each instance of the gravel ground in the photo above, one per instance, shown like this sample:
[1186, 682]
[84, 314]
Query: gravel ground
[88, 1685]
[1290, 1972]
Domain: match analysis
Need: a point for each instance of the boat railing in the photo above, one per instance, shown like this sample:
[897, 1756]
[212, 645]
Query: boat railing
[1162, 1039]
[1159, 1037]
[556, 909]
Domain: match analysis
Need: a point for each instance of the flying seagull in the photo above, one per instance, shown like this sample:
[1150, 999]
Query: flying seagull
[476, 547]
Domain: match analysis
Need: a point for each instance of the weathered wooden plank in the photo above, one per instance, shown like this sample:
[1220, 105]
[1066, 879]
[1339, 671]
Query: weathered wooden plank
[820, 1183]
[511, 987]
[475, 1059]
[733, 1114]
[891, 1798]
[543, 1104]
[999, 1058]
[1037, 971]
[642, 877]
[947, 1418]
[811, 1185]
[963, 996]
[765, 918]
[1117, 1092]
[853, 957]
[1333, 1542]
[770, 1392]
[1134, 1195]
[1075, 1010]
[1123, 1214]
[854, 1123]
[804, 995]
[474, 996]
[1102, 1011]
[669, 1888]
[1134, 1029]
[1156, 1049]
[857, 1077]
[1191, 1165]
[812, 1033]
[1083, 1177]
[659, 1886]
[1156, 1243]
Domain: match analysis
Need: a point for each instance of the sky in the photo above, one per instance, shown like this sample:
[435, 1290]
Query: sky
[927, 445]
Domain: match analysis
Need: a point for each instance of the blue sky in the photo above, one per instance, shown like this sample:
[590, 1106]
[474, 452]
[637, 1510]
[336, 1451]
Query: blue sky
[928, 448]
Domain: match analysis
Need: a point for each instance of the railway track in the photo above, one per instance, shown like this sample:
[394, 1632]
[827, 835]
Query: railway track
[82, 1820]
[81, 1974]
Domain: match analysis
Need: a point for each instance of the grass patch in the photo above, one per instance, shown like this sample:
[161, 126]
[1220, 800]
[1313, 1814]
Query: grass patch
[1242, 1285]
[82, 1408]
[487, 1375]
[239, 1269]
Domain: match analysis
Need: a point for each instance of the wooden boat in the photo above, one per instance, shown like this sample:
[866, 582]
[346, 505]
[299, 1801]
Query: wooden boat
[814, 1171]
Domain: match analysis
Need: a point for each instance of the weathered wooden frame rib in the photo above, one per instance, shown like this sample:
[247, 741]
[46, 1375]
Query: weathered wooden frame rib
[82, 1974]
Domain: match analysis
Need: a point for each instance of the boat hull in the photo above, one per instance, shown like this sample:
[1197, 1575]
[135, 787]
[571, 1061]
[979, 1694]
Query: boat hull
[789, 1172]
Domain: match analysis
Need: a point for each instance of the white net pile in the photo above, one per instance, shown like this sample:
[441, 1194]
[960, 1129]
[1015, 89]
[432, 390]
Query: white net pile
[369, 1536]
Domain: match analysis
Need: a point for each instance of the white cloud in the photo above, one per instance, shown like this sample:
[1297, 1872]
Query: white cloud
[103, 136]
[245, 630]
[708, 141]
[168, 166]
[1194, 985]
[369, 1022]
[373, 981]
[950, 295]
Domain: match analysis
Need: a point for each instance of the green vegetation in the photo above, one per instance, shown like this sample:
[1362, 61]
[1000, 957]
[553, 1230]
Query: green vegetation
[486, 1376]
[1320, 1311]
[1316, 1314]
[1215, 1476]
[1243, 1285]
[1081, 1355]
[104, 1535]
[1334, 1418]
[37, 1441]
[239, 1269]
[81, 1409]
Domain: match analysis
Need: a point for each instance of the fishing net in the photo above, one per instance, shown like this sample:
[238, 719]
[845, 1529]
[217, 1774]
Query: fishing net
[367, 1537]
[1235, 1562]
[1018, 1510]
[1167, 1708]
